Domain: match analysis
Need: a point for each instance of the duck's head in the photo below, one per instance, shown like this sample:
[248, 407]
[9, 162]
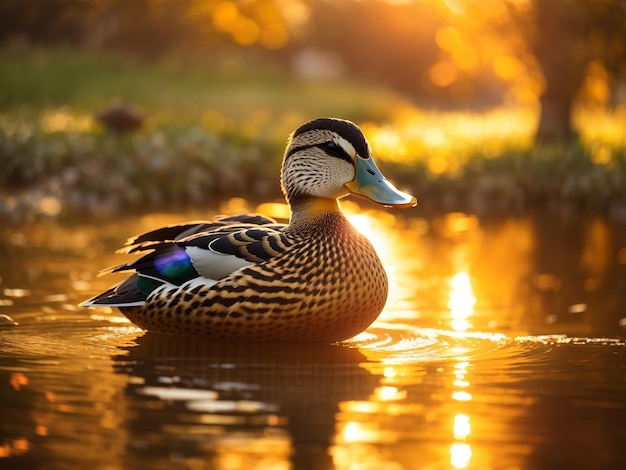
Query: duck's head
[330, 158]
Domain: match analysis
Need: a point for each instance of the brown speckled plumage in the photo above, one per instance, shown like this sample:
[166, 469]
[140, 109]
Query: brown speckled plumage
[248, 278]
[328, 285]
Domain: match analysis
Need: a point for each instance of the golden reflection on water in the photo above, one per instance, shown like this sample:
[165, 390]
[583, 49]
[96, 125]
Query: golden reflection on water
[461, 428]
[521, 274]
[360, 429]
[454, 280]
[460, 450]
[461, 303]
[460, 455]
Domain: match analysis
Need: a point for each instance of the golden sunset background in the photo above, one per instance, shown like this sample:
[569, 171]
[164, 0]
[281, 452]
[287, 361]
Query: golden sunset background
[497, 105]
[502, 342]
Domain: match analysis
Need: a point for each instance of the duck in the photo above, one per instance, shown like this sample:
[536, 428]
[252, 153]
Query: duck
[248, 278]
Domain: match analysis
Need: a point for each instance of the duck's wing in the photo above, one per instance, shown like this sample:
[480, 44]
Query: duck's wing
[246, 242]
[204, 252]
[173, 233]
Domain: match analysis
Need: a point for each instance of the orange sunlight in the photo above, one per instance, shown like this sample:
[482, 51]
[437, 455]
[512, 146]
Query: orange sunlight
[447, 139]
[461, 301]
[253, 23]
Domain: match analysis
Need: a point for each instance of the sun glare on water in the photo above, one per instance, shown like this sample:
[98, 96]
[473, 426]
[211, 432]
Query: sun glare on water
[461, 301]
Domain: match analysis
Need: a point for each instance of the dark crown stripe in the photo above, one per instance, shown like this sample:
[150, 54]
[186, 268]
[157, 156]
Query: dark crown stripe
[338, 153]
[346, 129]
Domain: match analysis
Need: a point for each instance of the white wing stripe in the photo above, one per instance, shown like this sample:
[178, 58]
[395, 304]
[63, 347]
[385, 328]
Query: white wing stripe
[214, 265]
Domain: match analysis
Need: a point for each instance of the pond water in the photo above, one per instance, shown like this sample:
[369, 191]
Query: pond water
[502, 346]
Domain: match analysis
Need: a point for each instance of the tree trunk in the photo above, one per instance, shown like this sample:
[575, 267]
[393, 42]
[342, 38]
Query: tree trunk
[560, 49]
[555, 120]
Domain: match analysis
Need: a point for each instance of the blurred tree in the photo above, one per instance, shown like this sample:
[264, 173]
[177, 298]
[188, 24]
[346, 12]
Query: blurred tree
[48, 21]
[568, 36]
[542, 49]
[440, 52]
[147, 27]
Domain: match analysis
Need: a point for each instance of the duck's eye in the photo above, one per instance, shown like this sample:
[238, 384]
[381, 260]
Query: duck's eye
[332, 148]
[335, 150]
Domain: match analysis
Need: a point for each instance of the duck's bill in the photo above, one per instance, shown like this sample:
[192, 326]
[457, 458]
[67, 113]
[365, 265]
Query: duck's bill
[371, 184]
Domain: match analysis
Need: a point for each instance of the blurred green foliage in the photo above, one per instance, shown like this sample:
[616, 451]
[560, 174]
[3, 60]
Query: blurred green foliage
[210, 132]
[85, 81]
[216, 132]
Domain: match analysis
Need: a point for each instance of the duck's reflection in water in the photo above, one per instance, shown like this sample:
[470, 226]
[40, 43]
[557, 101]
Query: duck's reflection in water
[237, 405]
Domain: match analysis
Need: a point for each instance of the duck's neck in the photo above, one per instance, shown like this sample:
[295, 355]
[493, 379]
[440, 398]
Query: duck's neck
[309, 210]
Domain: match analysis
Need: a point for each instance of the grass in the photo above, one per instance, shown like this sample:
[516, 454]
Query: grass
[184, 89]
[217, 129]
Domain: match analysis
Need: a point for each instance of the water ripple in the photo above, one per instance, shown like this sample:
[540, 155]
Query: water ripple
[396, 343]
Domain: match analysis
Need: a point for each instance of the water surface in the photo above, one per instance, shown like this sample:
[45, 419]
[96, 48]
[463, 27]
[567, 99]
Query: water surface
[501, 346]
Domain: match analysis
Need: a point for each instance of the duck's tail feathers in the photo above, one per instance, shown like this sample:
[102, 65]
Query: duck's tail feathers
[124, 294]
